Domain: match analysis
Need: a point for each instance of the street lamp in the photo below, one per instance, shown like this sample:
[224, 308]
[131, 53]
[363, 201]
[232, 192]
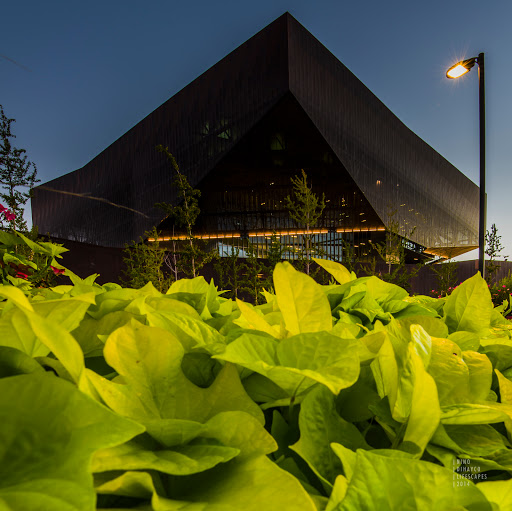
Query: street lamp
[459, 69]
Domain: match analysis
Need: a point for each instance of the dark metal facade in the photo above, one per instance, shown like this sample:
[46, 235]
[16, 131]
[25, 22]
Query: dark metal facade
[279, 103]
[392, 166]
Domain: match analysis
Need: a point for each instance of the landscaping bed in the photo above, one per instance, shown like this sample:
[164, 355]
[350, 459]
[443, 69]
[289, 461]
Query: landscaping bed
[346, 396]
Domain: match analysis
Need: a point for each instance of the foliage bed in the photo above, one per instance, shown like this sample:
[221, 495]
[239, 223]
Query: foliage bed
[348, 396]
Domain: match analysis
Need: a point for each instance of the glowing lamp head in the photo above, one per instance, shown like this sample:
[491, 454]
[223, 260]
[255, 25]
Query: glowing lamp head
[461, 68]
[456, 71]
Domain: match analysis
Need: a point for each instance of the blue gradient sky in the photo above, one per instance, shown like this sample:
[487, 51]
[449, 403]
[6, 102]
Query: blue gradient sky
[77, 75]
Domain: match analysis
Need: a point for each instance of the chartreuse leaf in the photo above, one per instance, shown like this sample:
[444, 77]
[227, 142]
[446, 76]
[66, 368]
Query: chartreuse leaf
[465, 340]
[470, 440]
[53, 249]
[13, 362]
[242, 431]
[68, 313]
[301, 300]
[191, 331]
[16, 297]
[251, 484]
[400, 374]
[180, 460]
[500, 355]
[185, 447]
[48, 433]
[353, 403]
[298, 362]
[165, 303]
[149, 361]
[425, 410]
[505, 388]
[35, 335]
[388, 483]
[469, 307]
[337, 270]
[498, 493]
[16, 332]
[369, 309]
[60, 342]
[338, 493]
[383, 292]
[129, 484]
[354, 293]
[118, 299]
[434, 327]
[320, 425]
[461, 377]
[208, 295]
[450, 372]
[394, 370]
[92, 333]
[171, 432]
[385, 372]
[263, 390]
[35, 247]
[499, 460]
[472, 413]
[138, 485]
[78, 281]
[480, 375]
[252, 318]
[346, 329]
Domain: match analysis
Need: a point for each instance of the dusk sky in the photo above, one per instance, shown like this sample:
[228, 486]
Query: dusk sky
[77, 75]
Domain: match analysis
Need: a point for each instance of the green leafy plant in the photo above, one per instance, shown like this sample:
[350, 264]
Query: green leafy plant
[493, 249]
[253, 272]
[447, 277]
[306, 209]
[144, 262]
[350, 259]
[275, 253]
[28, 261]
[192, 254]
[501, 294]
[352, 395]
[393, 252]
[229, 270]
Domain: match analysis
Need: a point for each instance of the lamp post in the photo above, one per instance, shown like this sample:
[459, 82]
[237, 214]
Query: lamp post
[456, 71]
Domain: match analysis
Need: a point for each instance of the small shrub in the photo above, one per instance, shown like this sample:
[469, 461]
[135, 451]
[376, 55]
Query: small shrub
[144, 262]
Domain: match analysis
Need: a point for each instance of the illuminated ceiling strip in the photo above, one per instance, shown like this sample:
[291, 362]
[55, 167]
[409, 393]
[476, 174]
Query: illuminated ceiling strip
[297, 232]
[361, 229]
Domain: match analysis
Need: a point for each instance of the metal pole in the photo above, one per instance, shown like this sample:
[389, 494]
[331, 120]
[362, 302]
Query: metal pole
[482, 216]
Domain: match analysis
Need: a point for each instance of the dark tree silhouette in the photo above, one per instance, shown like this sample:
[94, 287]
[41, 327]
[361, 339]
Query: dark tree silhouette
[15, 172]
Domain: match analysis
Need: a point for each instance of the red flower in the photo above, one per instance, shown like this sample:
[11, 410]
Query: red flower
[20, 275]
[8, 215]
[57, 271]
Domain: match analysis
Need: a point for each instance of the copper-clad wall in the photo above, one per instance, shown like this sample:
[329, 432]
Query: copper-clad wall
[226, 100]
[392, 166]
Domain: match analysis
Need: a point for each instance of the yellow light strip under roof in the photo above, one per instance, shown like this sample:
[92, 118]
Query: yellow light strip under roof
[255, 234]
